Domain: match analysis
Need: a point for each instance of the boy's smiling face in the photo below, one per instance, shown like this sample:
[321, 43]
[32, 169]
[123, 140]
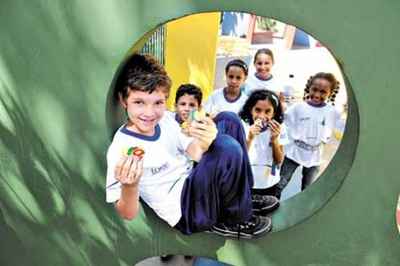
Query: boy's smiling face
[185, 104]
[144, 110]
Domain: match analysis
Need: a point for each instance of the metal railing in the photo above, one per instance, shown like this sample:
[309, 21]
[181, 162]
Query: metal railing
[155, 45]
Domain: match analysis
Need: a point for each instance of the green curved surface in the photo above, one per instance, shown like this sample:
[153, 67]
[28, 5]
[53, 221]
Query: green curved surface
[57, 63]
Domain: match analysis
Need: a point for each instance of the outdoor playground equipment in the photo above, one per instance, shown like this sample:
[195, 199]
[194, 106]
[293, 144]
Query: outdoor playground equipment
[57, 62]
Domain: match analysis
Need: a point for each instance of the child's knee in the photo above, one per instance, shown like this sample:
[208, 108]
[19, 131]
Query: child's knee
[228, 146]
[227, 116]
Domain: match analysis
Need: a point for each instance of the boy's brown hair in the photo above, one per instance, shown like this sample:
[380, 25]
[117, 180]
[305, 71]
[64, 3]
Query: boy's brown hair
[142, 73]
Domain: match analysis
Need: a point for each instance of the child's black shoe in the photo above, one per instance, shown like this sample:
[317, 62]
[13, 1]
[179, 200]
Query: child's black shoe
[264, 204]
[253, 228]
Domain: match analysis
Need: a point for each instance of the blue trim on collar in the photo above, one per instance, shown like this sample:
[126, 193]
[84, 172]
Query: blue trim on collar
[316, 105]
[263, 79]
[155, 137]
[178, 119]
[231, 101]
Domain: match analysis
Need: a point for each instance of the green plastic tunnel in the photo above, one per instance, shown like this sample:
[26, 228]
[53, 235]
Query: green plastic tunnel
[58, 60]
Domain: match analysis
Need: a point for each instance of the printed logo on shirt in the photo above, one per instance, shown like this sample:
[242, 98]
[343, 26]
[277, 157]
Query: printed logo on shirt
[156, 170]
[304, 118]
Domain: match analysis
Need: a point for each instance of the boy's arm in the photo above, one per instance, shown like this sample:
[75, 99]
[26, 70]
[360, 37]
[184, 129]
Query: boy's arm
[128, 171]
[204, 133]
[128, 205]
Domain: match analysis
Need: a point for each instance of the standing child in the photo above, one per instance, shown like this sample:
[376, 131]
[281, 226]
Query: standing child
[231, 98]
[263, 78]
[310, 125]
[262, 118]
[215, 195]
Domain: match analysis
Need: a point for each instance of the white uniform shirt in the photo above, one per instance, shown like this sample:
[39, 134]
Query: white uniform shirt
[165, 167]
[217, 102]
[254, 83]
[260, 155]
[173, 115]
[309, 127]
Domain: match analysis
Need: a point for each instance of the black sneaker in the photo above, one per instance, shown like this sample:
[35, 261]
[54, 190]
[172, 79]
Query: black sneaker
[264, 204]
[257, 226]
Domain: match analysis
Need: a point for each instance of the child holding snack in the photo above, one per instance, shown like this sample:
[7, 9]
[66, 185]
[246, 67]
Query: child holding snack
[213, 196]
[262, 118]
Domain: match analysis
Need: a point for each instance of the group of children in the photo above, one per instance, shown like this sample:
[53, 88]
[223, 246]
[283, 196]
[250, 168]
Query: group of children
[221, 171]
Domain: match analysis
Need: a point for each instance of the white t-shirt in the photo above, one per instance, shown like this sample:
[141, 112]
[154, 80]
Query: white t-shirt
[217, 102]
[171, 114]
[260, 154]
[165, 167]
[309, 127]
[254, 83]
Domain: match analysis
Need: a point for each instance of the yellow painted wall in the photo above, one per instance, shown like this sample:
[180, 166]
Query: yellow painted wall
[190, 51]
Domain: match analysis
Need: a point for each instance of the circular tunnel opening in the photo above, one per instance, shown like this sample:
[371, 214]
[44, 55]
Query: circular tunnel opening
[298, 56]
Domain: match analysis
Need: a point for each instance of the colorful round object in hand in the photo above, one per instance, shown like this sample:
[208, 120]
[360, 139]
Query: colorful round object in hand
[135, 151]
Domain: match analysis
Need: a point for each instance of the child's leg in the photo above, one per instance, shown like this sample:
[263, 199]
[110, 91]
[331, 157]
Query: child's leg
[229, 123]
[217, 190]
[265, 191]
[287, 170]
[309, 176]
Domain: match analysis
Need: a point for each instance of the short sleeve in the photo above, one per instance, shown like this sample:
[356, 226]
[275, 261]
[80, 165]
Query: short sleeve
[339, 122]
[246, 128]
[208, 106]
[283, 137]
[175, 131]
[278, 86]
[290, 117]
[113, 187]
[184, 141]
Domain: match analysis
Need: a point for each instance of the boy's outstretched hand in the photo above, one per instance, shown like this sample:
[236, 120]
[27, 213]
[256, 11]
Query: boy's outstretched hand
[129, 169]
[204, 131]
